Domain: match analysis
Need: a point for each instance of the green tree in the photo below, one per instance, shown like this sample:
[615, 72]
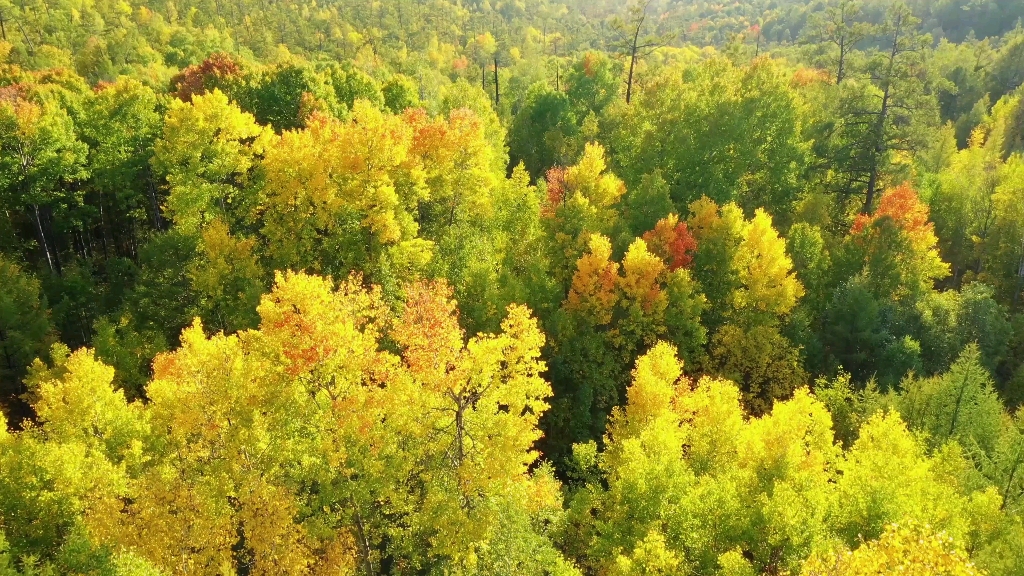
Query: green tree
[120, 126]
[545, 132]
[25, 328]
[717, 130]
[41, 160]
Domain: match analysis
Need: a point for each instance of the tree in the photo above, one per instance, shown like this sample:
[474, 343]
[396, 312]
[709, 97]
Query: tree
[281, 96]
[961, 404]
[718, 232]
[961, 206]
[205, 152]
[484, 49]
[895, 73]
[1007, 462]
[121, 124]
[812, 262]
[838, 25]
[545, 132]
[886, 477]
[762, 361]
[635, 39]
[217, 71]
[400, 93]
[580, 201]
[227, 279]
[715, 129]
[952, 320]
[767, 284]
[42, 161]
[672, 242]
[25, 327]
[898, 245]
[1002, 253]
[335, 209]
[421, 454]
[907, 549]
[592, 83]
[680, 462]
[614, 313]
[647, 204]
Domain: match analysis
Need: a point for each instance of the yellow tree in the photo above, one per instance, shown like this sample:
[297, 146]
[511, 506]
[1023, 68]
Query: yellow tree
[767, 283]
[303, 447]
[607, 320]
[342, 196]
[686, 481]
[744, 263]
[910, 549]
[580, 202]
[479, 403]
[205, 152]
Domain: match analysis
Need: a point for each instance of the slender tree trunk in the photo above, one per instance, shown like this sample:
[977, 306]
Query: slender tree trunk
[629, 79]
[1009, 481]
[956, 408]
[460, 427]
[48, 225]
[28, 41]
[158, 222]
[841, 69]
[364, 541]
[872, 184]
[7, 352]
[132, 243]
[1020, 275]
[42, 236]
[879, 146]
[633, 48]
[879, 149]
[497, 96]
[3, 29]
[104, 231]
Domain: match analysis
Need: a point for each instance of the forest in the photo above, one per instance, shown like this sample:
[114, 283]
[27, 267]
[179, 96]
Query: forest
[512, 287]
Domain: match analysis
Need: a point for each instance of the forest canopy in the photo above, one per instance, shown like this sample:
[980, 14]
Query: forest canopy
[512, 287]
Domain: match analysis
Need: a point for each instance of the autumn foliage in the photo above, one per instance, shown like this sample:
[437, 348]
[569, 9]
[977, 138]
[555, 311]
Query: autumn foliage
[203, 77]
[904, 207]
[672, 242]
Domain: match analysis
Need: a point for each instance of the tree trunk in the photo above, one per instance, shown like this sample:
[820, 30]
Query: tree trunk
[872, 184]
[158, 221]
[841, 69]
[42, 237]
[879, 145]
[629, 79]
[31, 48]
[956, 407]
[497, 96]
[1009, 481]
[55, 248]
[104, 231]
[460, 428]
[364, 541]
[7, 353]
